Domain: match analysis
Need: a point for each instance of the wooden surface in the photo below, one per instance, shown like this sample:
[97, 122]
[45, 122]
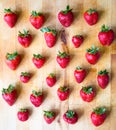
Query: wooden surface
[9, 43]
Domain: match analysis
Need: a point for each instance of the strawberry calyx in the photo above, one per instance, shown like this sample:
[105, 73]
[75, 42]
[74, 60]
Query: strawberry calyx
[24, 34]
[78, 68]
[49, 114]
[25, 74]
[8, 11]
[35, 13]
[90, 11]
[62, 54]
[12, 56]
[51, 75]
[36, 94]
[38, 56]
[103, 72]
[53, 31]
[67, 10]
[79, 36]
[70, 114]
[8, 90]
[87, 89]
[93, 50]
[63, 89]
[105, 28]
[22, 110]
[99, 110]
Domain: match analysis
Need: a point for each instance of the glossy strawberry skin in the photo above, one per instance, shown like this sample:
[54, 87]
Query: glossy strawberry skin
[51, 81]
[91, 18]
[79, 75]
[97, 120]
[25, 78]
[49, 120]
[77, 40]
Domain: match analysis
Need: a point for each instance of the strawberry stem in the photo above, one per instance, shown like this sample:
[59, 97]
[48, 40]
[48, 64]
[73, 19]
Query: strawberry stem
[38, 56]
[105, 28]
[70, 114]
[67, 10]
[90, 11]
[87, 90]
[78, 68]
[62, 54]
[24, 34]
[22, 110]
[63, 89]
[12, 56]
[35, 93]
[93, 50]
[99, 110]
[8, 90]
[103, 72]
[53, 31]
[49, 114]
[52, 75]
[7, 11]
[34, 13]
[25, 74]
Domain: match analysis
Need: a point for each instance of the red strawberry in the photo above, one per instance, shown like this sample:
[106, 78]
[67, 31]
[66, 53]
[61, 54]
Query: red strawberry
[79, 74]
[106, 36]
[92, 55]
[38, 60]
[63, 93]
[66, 17]
[25, 77]
[70, 117]
[103, 78]
[13, 60]
[23, 114]
[25, 38]
[87, 93]
[37, 19]
[49, 116]
[50, 36]
[9, 94]
[36, 98]
[98, 116]
[10, 17]
[51, 80]
[63, 59]
[77, 40]
[91, 16]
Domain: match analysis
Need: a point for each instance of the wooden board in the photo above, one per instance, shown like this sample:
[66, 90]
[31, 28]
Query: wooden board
[9, 43]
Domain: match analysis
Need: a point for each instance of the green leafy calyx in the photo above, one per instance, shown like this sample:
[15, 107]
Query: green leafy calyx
[7, 11]
[36, 94]
[63, 89]
[90, 11]
[8, 90]
[62, 54]
[105, 28]
[38, 56]
[99, 110]
[67, 10]
[93, 50]
[70, 114]
[87, 90]
[12, 56]
[53, 31]
[24, 34]
[52, 75]
[49, 114]
[35, 14]
[25, 74]
[78, 68]
[103, 72]
[22, 110]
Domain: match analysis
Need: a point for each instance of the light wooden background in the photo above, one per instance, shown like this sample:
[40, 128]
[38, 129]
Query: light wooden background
[9, 43]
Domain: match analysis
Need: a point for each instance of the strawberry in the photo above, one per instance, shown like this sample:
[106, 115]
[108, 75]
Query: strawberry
[23, 114]
[63, 93]
[36, 98]
[25, 77]
[91, 16]
[63, 59]
[92, 55]
[10, 17]
[79, 74]
[9, 94]
[13, 60]
[98, 116]
[70, 117]
[87, 93]
[106, 36]
[66, 17]
[37, 19]
[103, 78]
[51, 80]
[49, 116]
[77, 40]
[50, 36]
[25, 38]
[38, 60]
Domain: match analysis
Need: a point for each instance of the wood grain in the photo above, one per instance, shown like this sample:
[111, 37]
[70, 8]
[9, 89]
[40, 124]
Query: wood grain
[9, 43]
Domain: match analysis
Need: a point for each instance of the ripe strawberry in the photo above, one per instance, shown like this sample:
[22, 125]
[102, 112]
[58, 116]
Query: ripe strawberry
[49, 116]
[66, 17]
[92, 55]
[9, 94]
[70, 117]
[63, 93]
[36, 98]
[63, 59]
[51, 80]
[25, 38]
[13, 60]
[103, 78]
[23, 114]
[50, 36]
[106, 36]
[10, 17]
[25, 77]
[98, 116]
[77, 40]
[87, 93]
[37, 19]
[38, 60]
[79, 74]
[91, 16]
